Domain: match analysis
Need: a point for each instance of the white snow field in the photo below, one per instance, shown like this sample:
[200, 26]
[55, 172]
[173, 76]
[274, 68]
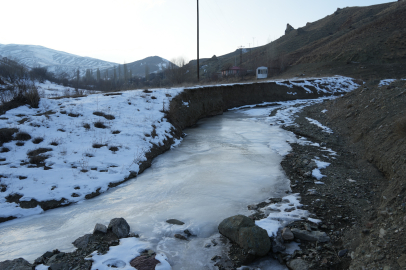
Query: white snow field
[82, 158]
[221, 167]
[49, 89]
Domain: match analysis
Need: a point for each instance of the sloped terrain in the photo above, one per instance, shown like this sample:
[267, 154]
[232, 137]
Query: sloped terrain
[362, 42]
[138, 68]
[56, 61]
[367, 182]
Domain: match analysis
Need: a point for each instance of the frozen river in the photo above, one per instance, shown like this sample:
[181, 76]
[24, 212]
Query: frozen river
[224, 164]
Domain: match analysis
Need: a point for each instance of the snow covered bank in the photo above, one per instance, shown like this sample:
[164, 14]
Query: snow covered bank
[78, 146]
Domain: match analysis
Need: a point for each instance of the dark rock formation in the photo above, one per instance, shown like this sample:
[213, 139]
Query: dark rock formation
[175, 222]
[17, 264]
[312, 236]
[289, 28]
[144, 262]
[119, 227]
[243, 231]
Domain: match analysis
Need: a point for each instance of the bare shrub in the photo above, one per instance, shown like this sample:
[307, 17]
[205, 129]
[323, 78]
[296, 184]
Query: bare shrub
[38, 151]
[6, 134]
[20, 143]
[153, 133]
[37, 156]
[107, 116]
[113, 148]
[73, 115]
[116, 131]
[54, 143]
[22, 136]
[37, 140]
[98, 113]
[32, 96]
[38, 160]
[100, 124]
[98, 145]
[4, 150]
[86, 126]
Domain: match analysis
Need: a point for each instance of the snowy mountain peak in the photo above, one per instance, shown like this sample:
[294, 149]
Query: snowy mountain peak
[56, 61]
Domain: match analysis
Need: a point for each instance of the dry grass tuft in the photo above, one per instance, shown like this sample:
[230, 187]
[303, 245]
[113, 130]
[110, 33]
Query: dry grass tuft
[98, 145]
[113, 149]
[107, 116]
[100, 124]
[37, 156]
[37, 140]
[4, 150]
[86, 126]
[22, 136]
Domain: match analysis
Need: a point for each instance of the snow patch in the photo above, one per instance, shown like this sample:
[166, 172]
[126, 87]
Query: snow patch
[386, 82]
[317, 123]
[280, 214]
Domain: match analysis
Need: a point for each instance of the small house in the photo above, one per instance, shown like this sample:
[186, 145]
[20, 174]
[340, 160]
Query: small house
[262, 73]
[233, 71]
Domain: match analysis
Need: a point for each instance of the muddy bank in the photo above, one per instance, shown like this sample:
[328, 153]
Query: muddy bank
[362, 199]
[196, 103]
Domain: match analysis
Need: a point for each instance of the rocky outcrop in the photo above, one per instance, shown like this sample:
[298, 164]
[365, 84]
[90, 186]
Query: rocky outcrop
[243, 231]
[289, 28]
[175, 222]
[144, 262]
[119, 227]
[297, 264]
[100, 228]
[312, 236]
[17, 264]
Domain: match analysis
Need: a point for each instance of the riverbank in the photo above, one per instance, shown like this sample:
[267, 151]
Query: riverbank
[348, 168]
[351, 177]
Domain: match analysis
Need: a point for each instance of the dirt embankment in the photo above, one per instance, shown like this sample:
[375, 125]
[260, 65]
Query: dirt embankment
[362, 201]
[193, 104]
[373, 119]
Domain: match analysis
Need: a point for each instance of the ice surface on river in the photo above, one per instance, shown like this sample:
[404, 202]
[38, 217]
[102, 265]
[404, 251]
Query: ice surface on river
[223, 165]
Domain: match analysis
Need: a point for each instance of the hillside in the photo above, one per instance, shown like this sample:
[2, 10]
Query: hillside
[361, 42]
[155, 64]
[56, 61]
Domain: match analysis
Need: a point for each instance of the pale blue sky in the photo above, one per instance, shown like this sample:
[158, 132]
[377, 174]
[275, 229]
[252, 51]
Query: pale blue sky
[129, 30]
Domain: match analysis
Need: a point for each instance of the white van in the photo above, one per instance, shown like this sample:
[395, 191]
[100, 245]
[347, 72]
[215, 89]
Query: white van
[262, 73]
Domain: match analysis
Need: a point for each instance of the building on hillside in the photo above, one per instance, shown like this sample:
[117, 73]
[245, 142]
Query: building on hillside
[262, 73]
[233, 71]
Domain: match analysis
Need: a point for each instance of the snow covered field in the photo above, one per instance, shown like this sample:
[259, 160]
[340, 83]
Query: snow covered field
[82, 152]
[49, 89]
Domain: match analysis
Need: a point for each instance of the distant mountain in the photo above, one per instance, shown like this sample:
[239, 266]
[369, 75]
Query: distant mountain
[56, 61]
[155, 64]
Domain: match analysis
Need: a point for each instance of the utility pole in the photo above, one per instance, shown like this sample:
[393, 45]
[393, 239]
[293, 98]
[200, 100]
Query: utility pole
[240, 55]
[198, 76]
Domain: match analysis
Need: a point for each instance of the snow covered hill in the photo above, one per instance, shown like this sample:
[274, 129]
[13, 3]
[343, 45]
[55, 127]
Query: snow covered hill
[155, 64]
[55, 61]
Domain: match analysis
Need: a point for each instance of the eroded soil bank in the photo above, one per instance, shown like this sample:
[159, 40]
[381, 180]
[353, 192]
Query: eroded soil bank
[362, 201]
